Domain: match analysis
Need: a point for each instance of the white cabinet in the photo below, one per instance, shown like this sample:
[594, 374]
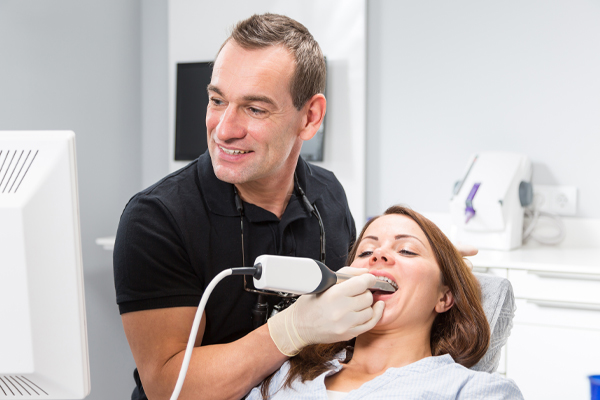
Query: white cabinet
[555, 341]
[550, 352]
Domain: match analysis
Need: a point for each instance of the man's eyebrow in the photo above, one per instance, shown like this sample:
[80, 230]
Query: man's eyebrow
[249, 98]
[213, 88]
[262, 99]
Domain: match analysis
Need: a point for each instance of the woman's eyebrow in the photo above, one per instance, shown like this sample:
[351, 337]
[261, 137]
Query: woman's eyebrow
[369, 237]
[404, 236]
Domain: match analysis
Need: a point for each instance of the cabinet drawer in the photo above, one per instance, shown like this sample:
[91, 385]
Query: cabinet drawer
[557, 286]
[558, 313]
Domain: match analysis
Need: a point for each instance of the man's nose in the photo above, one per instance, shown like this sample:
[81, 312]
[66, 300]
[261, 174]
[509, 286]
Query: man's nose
[230, 125]
[381, 256]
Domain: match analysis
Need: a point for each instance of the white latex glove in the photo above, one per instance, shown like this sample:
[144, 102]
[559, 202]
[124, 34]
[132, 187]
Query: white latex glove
[342, 312]
[466, 250]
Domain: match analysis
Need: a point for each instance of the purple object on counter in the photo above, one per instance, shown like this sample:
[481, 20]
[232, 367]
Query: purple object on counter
[469, 210]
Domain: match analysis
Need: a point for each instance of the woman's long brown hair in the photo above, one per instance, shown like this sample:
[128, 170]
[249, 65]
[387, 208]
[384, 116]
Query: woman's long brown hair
[463, 331]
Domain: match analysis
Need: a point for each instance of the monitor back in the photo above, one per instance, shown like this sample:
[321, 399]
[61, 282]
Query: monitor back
[43, 340]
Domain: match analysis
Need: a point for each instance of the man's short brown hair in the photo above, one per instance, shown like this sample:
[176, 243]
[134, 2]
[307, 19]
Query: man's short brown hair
[265, 30]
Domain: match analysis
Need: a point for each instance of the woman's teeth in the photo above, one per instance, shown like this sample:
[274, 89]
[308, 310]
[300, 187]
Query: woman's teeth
[388, 280]
[227, 151]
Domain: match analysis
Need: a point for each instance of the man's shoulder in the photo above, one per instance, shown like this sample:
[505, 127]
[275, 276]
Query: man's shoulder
[322, 174]
[325, 178]
[175, 192]
[183, 179]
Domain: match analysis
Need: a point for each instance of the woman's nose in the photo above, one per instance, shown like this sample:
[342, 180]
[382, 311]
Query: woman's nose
[380, 256]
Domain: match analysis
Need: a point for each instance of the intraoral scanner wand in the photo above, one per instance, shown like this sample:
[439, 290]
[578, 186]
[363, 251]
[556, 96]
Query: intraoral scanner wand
[301, 276]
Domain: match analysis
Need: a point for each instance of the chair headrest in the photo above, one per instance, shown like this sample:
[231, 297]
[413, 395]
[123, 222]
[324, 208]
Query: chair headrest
[498, 303]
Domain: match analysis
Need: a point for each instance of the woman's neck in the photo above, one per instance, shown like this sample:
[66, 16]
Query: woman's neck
[375, 352]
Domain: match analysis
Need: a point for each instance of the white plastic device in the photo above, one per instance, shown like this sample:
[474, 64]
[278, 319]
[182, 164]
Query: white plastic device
[497, 222]
[43, 334]
[294, 275]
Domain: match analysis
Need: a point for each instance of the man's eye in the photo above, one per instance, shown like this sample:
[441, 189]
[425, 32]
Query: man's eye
[256, 112]
[365, 254]
[407, 252]
[216, 102]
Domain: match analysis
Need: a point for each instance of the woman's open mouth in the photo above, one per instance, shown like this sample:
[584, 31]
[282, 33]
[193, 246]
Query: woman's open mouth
[384, 286]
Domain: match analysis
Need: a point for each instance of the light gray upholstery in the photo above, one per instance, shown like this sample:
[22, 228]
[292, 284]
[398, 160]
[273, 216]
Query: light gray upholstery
[499, 307]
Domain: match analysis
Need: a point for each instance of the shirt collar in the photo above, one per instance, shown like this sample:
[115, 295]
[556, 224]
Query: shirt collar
[220, 197]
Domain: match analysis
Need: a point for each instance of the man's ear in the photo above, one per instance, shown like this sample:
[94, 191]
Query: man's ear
[445, 302]
[314, 112]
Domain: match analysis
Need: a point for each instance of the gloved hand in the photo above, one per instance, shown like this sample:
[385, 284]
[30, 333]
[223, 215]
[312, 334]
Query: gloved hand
[340, 313]
[466, 250]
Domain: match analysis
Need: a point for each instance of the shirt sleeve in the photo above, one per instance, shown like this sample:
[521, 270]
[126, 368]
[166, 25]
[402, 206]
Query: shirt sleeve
[151, 265]
[484, 385]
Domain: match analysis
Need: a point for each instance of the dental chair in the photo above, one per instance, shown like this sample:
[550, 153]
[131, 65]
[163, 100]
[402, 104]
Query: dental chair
[498, 302]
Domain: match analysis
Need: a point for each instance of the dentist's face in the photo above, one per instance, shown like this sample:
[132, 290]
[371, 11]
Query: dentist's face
[394, 246]
[252, 124]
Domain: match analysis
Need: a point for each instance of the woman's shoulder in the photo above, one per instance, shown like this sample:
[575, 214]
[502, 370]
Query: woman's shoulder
[480, 384]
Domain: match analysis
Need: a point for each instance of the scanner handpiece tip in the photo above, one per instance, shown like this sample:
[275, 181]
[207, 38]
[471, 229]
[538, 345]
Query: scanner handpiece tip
[383, 287]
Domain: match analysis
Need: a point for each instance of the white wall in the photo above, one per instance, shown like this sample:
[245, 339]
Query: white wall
[197, 30]
[69, 64]
[155, 90]
[447, 79]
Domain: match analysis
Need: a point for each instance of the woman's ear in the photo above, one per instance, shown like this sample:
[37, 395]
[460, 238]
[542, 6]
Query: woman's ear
[446, 300]
[314, 112]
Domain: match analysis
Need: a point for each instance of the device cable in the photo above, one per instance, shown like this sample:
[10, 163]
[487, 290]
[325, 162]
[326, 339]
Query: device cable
[533, 214]
[196, 324]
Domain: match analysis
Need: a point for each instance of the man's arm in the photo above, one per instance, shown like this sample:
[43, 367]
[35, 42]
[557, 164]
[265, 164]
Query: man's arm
[158, 339]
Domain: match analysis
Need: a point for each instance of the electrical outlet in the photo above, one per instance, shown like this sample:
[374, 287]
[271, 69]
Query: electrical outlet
[561, 200]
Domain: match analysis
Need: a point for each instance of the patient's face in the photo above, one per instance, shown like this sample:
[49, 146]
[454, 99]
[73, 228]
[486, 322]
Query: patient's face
[394, 246]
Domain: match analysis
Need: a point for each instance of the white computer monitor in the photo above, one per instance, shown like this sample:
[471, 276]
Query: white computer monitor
[43, 334]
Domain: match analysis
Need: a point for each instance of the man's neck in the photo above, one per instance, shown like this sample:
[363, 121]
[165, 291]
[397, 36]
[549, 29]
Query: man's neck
[272, 195]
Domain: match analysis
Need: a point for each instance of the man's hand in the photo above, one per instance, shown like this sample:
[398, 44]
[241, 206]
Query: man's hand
[466, 250]
[340, 313]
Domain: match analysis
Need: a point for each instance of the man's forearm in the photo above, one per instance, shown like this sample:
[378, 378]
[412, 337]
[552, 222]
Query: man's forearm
[224, 371]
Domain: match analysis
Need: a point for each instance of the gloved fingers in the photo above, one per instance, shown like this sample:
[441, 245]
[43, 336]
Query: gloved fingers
[353, 271]
[361, 302]
[353, 286]
[466, 250]
[468, 263]
[375, 316]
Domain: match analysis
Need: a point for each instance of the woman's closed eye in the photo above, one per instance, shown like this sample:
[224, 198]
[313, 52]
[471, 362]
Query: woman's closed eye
[365, 254]
[407, 253]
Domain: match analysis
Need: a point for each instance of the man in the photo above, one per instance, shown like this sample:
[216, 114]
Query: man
[265, 99]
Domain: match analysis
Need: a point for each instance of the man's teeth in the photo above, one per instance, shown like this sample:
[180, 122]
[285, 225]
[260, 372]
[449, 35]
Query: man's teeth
[227, 151]
[388, 280]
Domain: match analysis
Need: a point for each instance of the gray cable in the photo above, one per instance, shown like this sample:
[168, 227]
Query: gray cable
[533, 213]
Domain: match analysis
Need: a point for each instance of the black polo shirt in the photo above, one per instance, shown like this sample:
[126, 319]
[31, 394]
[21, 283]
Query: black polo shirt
[177, 235]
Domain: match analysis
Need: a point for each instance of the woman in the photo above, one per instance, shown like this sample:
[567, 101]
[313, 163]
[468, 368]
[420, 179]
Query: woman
[432, 330]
